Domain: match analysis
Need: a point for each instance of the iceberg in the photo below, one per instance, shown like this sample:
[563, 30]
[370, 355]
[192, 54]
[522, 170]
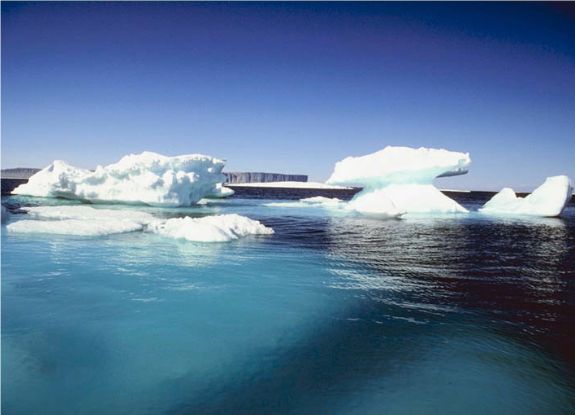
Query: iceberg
[218, 228]
[146, 178]
[90, 221]
[548, 200]
[399, 180]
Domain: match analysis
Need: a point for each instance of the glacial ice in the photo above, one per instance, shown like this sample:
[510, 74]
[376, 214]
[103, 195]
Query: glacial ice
[399, 180]
[547, 200]
[90, 221]
[218, 228]
[148, 178]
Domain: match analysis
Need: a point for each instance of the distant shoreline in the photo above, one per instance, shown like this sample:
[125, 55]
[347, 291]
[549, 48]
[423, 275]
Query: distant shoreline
[256, 190]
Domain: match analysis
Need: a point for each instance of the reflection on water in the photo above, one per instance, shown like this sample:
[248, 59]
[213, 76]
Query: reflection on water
[333, 314]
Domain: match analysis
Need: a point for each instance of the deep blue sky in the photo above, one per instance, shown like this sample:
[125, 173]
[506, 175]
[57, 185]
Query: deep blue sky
[292, 87]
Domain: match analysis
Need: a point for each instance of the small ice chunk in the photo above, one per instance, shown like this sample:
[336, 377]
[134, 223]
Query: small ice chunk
[311, 202]
[322, 201]
[547, 200]
[218, 228]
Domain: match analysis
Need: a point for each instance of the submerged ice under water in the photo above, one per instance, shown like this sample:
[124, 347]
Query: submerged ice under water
[332, 314]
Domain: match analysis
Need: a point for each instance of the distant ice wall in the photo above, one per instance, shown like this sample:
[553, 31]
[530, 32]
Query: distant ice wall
[257, 177]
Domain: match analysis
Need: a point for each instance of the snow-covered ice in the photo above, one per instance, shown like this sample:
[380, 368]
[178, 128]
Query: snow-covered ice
[398, 180]
[90, 221]
[547, 200]
[148, 178]
[218, 228]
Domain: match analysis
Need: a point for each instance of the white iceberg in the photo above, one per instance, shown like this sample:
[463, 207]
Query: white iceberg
[90, 221]
[547, 200]
[148, 178]
[218, 228]
[398, 180]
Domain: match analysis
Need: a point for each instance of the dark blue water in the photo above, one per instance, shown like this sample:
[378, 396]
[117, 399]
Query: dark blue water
[332, 314]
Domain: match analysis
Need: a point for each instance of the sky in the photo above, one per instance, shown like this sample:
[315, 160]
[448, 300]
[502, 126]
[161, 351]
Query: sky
[292, 87]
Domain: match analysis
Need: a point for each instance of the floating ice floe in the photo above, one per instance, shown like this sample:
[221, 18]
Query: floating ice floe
[399, 180]
[148, 178]
[219, 228]
[316, 201]
[90, 221]
[79, 220]
[547, 200]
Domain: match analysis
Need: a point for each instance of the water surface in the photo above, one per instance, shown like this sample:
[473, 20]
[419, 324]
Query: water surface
[332, 314]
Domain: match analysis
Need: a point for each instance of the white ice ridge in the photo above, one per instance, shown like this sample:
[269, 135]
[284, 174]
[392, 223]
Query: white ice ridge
[398, 180]
[148, 178]
[89, 221]
[547, 200]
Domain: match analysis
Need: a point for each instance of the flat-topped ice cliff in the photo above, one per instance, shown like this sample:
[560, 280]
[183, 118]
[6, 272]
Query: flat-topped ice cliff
[399, 180]
[148, 178]
[291, 185]
[19, 173]
[260, 177]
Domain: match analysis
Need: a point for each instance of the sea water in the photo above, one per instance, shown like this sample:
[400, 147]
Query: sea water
[333, 314]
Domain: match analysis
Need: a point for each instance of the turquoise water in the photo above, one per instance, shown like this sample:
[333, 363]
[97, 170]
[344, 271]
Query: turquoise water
[332, 314]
